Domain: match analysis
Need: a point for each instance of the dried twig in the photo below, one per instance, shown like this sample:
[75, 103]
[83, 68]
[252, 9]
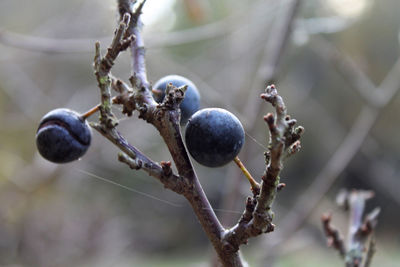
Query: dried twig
[157, 40]
[257, 217]
[334, 238]
[359, 233]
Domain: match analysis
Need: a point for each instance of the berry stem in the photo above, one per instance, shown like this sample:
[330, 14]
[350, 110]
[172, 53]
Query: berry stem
[255, 187]
[90, 112]
[93, 110]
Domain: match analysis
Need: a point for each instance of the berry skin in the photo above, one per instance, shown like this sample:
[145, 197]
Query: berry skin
[214, 136]
[191, 102]
[63, 136]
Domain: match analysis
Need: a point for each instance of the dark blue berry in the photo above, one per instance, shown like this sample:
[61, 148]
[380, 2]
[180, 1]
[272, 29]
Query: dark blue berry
[63, 136]
[191, 102]
[214, 136]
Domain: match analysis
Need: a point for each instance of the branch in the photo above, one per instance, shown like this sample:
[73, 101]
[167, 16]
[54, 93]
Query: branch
[137, 46]
[359, 232]
[333, 235]
[282, 138]
[135, 159]
[165, 117]
[257, 217]
[102, 66]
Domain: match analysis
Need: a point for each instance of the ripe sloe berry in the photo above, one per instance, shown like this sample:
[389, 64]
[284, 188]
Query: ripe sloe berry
[63, 136]
[214, 136]
[191, 102]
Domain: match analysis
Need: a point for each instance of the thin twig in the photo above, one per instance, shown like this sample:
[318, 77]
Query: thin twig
[155, 40]
[137, 160]
[282, 136]
[333, 235]
[359, 233]
[102, 67]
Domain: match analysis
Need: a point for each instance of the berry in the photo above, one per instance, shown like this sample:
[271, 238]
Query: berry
[191, 102]
[214, 136]
[63, 136]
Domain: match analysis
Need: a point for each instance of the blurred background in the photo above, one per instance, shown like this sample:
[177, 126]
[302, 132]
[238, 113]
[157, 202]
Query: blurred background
[335, 62]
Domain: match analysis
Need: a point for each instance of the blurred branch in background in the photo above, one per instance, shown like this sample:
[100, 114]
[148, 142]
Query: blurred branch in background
[48, 45]
[158, 40]
[360, 246]
[208, 31]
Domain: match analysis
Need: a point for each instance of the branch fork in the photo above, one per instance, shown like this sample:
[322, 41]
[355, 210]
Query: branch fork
[165, 117]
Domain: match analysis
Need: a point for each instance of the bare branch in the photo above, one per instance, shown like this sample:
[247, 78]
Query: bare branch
[359, 232]
[137, 160]
[356, 235]
[165, 117]
[137, 47]
[333, 235]
[264, 73]
[257, 217]
[102, 66]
